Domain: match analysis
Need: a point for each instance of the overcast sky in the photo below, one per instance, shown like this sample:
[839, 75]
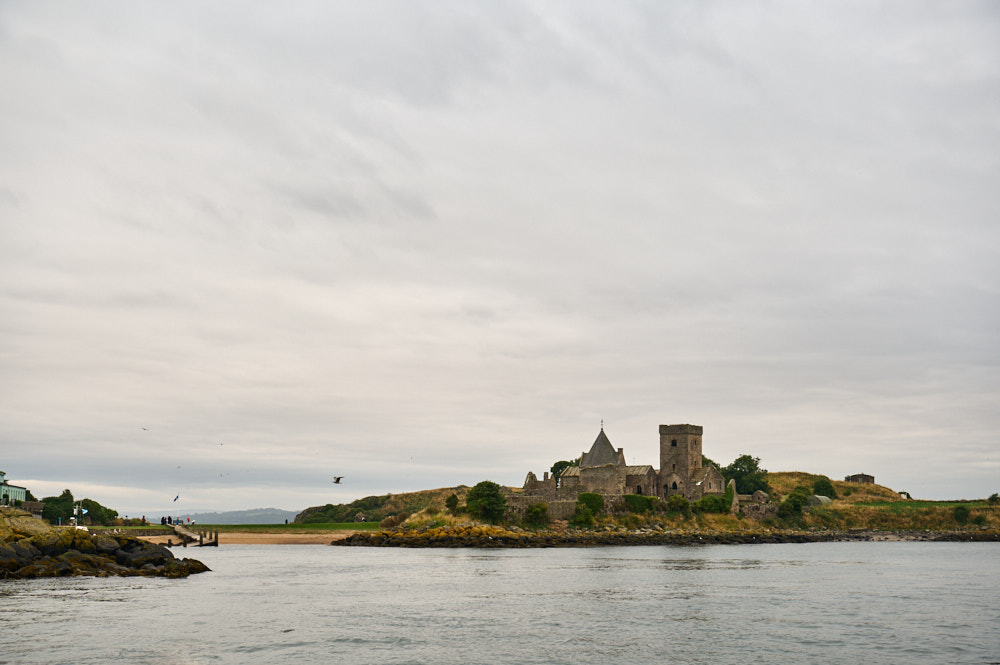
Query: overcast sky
[245, 247]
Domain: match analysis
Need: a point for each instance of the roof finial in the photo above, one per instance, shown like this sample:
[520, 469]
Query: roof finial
[602, 424]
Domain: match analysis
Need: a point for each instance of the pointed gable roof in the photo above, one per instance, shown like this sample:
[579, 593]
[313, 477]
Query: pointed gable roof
[602, 453]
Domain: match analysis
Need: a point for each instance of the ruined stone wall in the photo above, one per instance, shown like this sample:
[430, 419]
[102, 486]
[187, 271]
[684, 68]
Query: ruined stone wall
[532, 483]
[758, 511]
[647, 481]
[602, 480]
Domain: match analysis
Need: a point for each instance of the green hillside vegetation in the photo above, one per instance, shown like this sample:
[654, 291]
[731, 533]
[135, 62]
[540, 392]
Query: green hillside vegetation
[855, 506]
[879, 508]
[378, 508]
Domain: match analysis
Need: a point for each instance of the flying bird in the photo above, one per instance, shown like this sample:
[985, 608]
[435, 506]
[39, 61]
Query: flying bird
[177, 497]
[146, 428]
[337, 479]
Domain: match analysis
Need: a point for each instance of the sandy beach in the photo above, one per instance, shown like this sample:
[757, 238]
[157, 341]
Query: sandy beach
[244, 538]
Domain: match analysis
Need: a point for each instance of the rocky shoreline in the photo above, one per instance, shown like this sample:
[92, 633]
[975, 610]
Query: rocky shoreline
[31, 548]
[501, 537]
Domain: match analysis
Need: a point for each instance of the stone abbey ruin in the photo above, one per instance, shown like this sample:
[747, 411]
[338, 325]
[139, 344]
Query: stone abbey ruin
[603, 471]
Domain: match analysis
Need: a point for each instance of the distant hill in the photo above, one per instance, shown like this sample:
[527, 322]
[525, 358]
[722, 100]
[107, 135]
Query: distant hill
[254, 516]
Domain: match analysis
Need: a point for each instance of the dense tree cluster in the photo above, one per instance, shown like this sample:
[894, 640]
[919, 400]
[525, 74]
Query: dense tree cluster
[60, 509]
[486, 502]
[747, 473]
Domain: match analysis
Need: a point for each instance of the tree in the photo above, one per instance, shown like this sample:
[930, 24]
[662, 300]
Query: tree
[58, 507]
[562, 465]
[451, 503]
[823, 487]
[705, 461]
[486, 502]
[748, 474]
[97, 513]
[994, 499]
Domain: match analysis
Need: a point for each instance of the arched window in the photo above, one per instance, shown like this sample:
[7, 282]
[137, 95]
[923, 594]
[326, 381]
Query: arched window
[674, 486]
[638, 489]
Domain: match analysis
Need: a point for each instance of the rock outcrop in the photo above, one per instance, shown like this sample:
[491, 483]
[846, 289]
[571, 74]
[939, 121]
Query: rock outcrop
[30, 548]
[482, 536]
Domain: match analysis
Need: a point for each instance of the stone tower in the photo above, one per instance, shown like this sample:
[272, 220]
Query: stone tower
[680, 457]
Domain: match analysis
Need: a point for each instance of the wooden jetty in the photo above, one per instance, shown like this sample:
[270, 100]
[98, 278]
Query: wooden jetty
[200, 539]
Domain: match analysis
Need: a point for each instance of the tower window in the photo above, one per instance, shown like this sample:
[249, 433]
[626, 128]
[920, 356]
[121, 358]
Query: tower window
[673, 442]
[674, 486]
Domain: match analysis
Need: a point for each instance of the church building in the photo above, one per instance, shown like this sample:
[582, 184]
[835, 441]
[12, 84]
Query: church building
[602, 470]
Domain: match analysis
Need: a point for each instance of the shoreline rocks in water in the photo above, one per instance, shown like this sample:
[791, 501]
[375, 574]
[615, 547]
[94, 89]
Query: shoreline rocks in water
[31, 548]
[481, 536]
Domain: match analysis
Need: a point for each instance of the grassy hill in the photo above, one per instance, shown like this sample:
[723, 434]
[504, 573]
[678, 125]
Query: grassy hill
[880, 508]
[377, 508]
[856, 506]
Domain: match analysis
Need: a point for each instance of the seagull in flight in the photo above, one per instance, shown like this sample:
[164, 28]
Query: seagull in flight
[337, 479]
[177, 497]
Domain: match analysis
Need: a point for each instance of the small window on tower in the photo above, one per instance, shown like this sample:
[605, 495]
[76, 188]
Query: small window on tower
[673, 442]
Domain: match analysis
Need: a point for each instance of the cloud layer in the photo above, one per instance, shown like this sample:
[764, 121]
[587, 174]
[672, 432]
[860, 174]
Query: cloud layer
[421, 245]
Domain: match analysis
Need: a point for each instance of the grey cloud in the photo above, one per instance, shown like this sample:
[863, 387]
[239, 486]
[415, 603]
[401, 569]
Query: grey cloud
[357, 234]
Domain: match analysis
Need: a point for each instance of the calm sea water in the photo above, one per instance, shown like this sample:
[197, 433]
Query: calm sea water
[817, 603]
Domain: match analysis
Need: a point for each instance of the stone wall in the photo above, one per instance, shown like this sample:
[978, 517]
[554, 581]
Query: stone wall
[758, 511]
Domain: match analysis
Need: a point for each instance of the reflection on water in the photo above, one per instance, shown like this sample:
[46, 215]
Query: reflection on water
[819, 603]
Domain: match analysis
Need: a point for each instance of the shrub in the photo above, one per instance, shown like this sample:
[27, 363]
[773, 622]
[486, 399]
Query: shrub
[537, 514]
[595, 502]
[823, 487]
[637, 503]
[451, 503]
[793, 503]
[393, 521]
[994, 499]
[677, 503]
[711, 503]
[583, 517]
[486, 502]
[979, 520]
[961, 514]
